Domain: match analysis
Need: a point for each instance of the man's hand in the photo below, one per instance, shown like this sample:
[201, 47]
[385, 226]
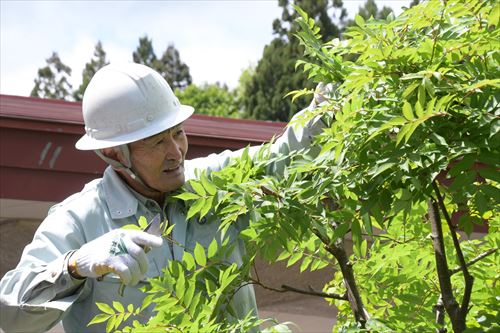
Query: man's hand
[119, 251]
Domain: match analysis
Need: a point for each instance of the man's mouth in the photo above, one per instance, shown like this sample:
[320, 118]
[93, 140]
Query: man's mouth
[173, 168]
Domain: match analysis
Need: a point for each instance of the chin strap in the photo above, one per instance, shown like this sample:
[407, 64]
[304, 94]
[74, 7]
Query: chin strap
[127, 167]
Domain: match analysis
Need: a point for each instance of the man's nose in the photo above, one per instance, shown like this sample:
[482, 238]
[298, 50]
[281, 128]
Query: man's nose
[173, 150]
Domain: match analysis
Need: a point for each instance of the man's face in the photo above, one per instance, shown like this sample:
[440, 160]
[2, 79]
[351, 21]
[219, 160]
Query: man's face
[159, 159]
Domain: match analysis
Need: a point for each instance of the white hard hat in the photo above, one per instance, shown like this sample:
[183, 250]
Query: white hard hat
[124, 103]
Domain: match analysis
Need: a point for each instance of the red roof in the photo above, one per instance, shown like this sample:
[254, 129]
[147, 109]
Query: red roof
[64, 112]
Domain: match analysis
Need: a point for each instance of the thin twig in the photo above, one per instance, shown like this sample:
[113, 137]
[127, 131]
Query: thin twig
[311, 291]
[473, 261]
[285, 288]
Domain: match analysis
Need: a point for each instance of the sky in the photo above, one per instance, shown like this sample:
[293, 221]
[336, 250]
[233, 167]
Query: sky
[217, 39]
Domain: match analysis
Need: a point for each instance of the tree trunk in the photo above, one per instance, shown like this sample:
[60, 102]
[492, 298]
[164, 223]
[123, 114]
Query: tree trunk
[353, 295]
[450, 304]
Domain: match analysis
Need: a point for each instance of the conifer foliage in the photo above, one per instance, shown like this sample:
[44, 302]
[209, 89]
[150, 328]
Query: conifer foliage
[53, 80]
[275, 74]
[97, 62]
[169, 65]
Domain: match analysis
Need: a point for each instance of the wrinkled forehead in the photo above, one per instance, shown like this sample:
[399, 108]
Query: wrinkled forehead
[171, 129]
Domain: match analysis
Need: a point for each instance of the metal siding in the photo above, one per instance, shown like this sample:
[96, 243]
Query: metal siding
[38, 160]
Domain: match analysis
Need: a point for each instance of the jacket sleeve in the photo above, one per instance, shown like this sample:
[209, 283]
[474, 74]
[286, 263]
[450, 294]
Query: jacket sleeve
[293, 138]
[36, 294]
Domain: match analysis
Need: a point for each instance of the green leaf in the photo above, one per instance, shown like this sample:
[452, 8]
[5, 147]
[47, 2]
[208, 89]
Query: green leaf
[409, 90]
[188, 296]
[367, 223]
[195, 208]
[169, 230]
[111, 324]
[356, 236]
[294, 258]
[421, 94]
[119, 320]
[118, 306]
[360, 21]
[209, 187]
[381, 168]
[407, 111]
[430, 107]
[341, 230]
[187, 196]
[438, 139]
[429, 87]
[188, 260]
[363, 249]
[199, 254]
[494, 17]
[99, 319]
[206, 207]
[402, 133]
[105, 308]
[143, 222]
[305, 263]
[131, 227]
[198, 188]
[284, 255]
[389, 124]
[490, 173]
[212, 248]
[193, 307]
[180, 286]
[249, 233]
[419, 111]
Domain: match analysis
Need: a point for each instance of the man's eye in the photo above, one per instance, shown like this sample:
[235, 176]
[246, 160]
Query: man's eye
[159, 142]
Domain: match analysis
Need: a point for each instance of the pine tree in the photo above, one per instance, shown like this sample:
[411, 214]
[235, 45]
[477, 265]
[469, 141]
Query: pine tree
[53, 80]
[275, 74]
[144, 54]
[96, 63]
[171, 67]
[370, 9]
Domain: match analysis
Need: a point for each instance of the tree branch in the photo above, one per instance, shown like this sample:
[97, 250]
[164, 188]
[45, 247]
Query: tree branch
[310, 291]
[313, 292]
[469, 279]
[337, 249]
[473, 261]
[449, 301]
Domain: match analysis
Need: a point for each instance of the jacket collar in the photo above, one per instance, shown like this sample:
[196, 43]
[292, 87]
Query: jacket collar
[120, 200]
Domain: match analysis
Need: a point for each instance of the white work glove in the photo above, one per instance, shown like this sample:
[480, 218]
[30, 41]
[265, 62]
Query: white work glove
[120, 252]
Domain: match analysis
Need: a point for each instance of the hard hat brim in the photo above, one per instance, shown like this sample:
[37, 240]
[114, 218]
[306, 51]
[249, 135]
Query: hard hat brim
[87, 142]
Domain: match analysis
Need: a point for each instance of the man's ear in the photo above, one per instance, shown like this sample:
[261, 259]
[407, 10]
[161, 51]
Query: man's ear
[114, 154]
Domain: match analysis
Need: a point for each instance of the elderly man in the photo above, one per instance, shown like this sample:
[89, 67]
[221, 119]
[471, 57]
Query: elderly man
[135, 123]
